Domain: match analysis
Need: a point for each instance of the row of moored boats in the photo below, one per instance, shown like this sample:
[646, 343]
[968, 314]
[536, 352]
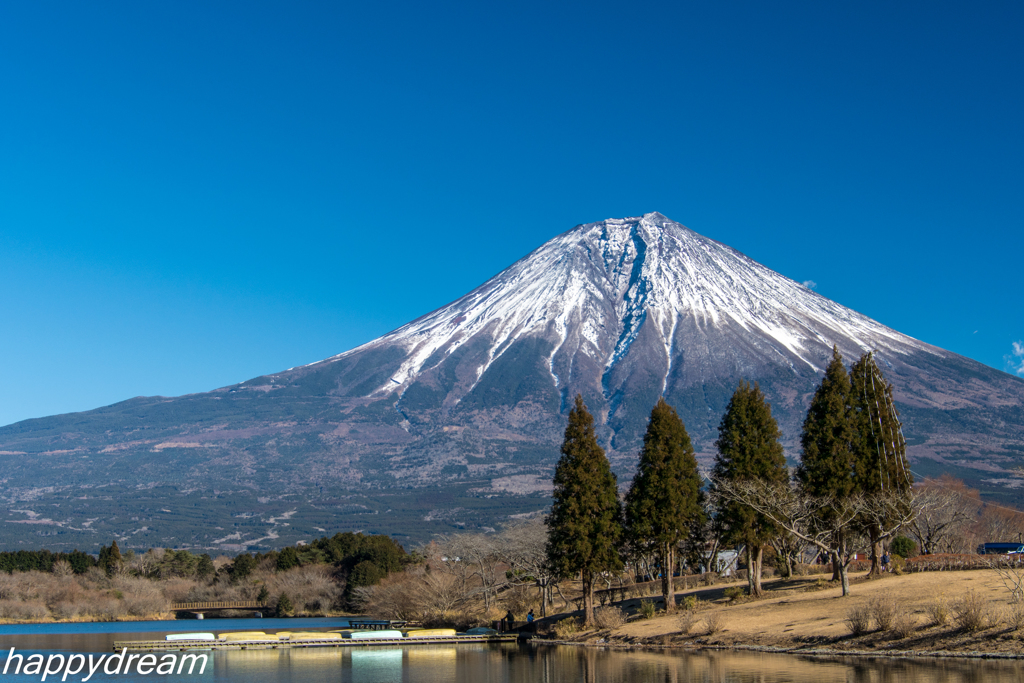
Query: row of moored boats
[342, 634]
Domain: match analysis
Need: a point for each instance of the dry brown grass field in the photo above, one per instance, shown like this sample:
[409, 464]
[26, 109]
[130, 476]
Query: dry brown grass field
[957, 611]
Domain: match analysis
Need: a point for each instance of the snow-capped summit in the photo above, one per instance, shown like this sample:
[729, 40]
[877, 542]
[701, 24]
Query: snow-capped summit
[625, 309]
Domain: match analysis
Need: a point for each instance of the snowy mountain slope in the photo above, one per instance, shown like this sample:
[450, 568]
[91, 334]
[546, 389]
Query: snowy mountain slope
[627, 309]
[455, 418]
[617, 274]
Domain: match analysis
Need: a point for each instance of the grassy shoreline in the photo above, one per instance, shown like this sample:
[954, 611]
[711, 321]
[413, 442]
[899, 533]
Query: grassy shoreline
[804, 617]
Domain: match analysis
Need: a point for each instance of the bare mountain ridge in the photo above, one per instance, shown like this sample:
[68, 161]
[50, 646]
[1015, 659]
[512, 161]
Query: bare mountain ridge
[459, 413]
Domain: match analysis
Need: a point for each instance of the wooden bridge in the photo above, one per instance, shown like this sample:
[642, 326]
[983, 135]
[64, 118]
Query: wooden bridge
[251, 605]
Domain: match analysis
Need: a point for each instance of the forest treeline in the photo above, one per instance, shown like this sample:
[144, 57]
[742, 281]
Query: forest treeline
[314, 579]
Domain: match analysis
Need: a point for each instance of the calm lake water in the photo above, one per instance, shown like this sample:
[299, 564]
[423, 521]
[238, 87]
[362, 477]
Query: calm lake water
[505, 663]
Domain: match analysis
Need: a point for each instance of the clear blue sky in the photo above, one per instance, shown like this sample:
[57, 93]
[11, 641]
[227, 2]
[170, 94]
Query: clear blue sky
[193, 194]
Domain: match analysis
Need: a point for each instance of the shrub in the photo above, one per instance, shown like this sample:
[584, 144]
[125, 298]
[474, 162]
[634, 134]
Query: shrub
[903, 625]
[858, 619]
[107, 610]
[686, 622]
[1015, 616]
[712, 623]
[647, 609]
[883, 610]
[971, 612]
[17, 610]
[938, 612]
[734, 593]
[284, 605]
[609, 617]
[690, 602]
[567, 628]
[65, 610]
[518, 599]
[819, 585]
[903, 546]
[806, 569]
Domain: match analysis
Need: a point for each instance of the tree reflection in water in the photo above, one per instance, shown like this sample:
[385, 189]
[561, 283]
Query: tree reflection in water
[561, 664]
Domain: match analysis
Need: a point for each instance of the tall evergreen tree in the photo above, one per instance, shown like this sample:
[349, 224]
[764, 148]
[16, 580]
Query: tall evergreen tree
[878, 448]
[109, 558]
[585, 524]
[664, 500]
[749, 448]
[826, 463]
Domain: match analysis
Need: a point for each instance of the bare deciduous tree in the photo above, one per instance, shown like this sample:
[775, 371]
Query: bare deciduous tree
[474, 561]
[947, 509]
[1011, 572]
[825, 522]
[998, 524]
[523, 547]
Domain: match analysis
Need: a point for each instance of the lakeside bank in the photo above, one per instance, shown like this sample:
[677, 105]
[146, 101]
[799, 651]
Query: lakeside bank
[808, 616]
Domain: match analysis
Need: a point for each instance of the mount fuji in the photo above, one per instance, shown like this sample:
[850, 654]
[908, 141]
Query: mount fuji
[455, 418]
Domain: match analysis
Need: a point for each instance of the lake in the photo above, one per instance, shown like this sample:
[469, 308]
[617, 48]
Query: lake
[504, 663]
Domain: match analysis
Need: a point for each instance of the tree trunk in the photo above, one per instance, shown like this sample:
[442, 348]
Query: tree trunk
[876, 569]
[789, 565]
[750, 569]
[713, 561]
[844, 573]
[754, 571]
[876, 547]
[588, 598]
[836, 570]
[668, 567]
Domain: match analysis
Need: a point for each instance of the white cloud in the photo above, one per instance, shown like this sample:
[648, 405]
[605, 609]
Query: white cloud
[1016, 359]
[809, 284]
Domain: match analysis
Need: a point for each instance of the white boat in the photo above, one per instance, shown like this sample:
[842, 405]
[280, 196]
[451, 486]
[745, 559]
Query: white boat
[389, 634]
[191, 636]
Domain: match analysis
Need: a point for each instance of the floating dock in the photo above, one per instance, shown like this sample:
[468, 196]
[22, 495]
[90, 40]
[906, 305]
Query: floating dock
[267, 644]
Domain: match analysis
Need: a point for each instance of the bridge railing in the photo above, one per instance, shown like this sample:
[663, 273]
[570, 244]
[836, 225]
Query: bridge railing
[238, 604]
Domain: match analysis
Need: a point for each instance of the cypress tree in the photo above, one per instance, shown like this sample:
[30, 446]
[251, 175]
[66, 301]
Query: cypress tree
[664, 499]
[109, 558]
[585, 521]
[879, 450]
[826, 463]
[749, 448]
